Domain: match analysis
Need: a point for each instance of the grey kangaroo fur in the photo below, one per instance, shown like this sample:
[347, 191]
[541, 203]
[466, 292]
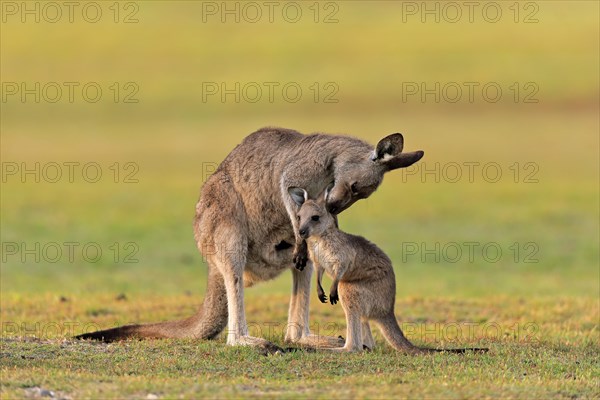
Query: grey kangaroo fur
[362, 275]
[246, 227]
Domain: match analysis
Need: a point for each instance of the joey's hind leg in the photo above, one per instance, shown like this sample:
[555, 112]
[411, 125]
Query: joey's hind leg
[353, 330]
[367, 337]
[354, 342]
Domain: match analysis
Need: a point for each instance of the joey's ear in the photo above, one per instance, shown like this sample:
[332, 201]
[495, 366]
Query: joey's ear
[299, 195]
[326, 192]
[389, 146]
[403, 160]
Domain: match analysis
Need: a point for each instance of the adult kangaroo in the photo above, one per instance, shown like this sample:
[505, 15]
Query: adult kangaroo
[247, 230]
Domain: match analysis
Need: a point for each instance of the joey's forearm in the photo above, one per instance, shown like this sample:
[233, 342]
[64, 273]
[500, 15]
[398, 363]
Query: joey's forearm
[320, 290]
[338, 273]
[333, 292]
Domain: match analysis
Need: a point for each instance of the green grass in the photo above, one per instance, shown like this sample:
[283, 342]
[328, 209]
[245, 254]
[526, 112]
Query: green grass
[293, 376]
[540, 319]
[538, 348]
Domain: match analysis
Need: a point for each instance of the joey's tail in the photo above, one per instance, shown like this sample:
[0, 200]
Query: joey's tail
[395, 337]
[208, 322]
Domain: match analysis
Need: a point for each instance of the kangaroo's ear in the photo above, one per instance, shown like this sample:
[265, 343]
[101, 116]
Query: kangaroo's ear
[299, 195]
[403, 160]
[389, 146]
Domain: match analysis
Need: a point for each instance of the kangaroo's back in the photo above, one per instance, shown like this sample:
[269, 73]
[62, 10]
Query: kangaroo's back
[261, 168]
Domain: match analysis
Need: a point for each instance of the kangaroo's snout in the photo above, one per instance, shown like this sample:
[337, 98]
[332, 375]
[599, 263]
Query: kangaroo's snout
[339, 198]
[337, 207]
[303, 233]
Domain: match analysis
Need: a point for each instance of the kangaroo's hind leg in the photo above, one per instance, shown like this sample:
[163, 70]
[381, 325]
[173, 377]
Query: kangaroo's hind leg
[297, 328]
[224, 239]
[298, 331]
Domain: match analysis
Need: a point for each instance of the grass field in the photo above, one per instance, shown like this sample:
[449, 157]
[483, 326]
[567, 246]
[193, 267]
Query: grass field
[534, 303]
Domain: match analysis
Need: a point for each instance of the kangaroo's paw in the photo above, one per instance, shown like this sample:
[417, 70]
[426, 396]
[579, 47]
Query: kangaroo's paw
[320, 342]
[301, 256]
[262, 345]
[333, 296]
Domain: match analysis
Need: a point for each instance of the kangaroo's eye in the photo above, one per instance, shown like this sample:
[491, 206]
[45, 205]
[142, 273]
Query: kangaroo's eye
[298, 218]
[354, 189]
[315, 218]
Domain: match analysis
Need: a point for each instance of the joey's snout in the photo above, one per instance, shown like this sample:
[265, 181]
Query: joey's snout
[303, 233]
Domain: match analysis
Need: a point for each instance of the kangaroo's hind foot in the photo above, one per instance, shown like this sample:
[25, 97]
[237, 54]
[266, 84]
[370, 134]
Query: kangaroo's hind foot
[320, 342]
[263, 346]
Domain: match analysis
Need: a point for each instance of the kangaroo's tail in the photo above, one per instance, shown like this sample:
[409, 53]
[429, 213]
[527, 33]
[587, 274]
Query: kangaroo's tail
[207, 323]
[395, 337]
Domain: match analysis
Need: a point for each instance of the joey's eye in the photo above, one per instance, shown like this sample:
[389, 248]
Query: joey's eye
[354, 189]
[315, 218]
[298, 218]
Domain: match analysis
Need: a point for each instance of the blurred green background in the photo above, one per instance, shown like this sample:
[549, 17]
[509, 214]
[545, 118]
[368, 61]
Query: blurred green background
[176, 132]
